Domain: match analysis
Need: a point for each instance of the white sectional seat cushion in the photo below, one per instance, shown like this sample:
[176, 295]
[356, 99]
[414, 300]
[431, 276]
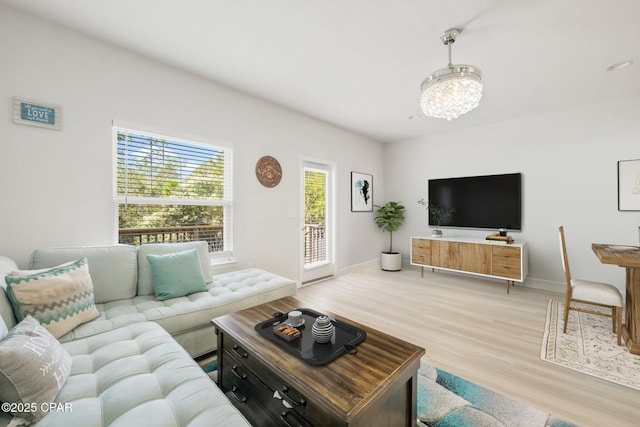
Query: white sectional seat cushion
[227, 293]
[109, 283]
[138, 376]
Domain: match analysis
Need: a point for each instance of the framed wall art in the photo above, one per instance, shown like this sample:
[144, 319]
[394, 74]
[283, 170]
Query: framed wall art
[629, 185]
[361, 192]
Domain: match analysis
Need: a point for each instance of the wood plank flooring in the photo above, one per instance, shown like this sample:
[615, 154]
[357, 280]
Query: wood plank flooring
[472, 328]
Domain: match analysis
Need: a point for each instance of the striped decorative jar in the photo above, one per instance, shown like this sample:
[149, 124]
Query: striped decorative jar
[322, 329]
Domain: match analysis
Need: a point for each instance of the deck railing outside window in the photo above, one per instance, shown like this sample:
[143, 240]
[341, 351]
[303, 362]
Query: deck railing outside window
[315, 247]
[315, 243]
[137, 236]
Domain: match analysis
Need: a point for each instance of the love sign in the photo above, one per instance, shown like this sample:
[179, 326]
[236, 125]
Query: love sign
[35, 113]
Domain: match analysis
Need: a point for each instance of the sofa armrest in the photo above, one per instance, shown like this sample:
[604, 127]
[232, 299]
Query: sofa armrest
[7, 265]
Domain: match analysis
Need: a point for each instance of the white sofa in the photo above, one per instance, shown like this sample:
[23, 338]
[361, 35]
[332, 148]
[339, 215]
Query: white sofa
[133, 365]
[124, 292]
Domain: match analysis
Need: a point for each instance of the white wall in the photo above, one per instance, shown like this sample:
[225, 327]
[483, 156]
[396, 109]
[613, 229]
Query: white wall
[56, 186]
[569, 164]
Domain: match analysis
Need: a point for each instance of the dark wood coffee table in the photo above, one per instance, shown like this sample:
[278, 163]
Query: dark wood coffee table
[376, 386]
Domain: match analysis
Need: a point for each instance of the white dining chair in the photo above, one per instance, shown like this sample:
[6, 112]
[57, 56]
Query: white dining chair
[589, 292]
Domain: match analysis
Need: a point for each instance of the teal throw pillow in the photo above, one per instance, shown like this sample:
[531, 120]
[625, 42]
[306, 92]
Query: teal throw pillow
[177, 274]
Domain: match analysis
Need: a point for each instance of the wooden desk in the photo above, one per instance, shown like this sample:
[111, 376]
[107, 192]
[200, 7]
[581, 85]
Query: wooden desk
[630, 260]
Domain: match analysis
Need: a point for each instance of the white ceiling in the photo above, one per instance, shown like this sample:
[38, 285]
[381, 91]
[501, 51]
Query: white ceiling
[359, 63]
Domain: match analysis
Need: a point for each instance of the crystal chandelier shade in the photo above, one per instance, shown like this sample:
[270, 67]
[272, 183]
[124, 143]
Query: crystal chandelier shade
[452, 91]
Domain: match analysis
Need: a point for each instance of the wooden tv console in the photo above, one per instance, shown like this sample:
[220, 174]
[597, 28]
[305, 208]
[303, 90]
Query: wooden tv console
[473, 256]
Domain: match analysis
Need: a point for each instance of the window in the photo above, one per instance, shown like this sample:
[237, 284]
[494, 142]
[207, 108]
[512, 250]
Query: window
[170, 190]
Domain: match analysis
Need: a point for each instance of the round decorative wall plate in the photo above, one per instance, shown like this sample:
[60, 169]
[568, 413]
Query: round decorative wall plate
[268, 171]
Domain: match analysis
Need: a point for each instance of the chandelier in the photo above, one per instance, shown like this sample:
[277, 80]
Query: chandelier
[449, 92]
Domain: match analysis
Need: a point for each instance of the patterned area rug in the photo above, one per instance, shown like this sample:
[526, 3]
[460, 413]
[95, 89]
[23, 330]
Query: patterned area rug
[589, 346]
[211, 368]
[445, 400]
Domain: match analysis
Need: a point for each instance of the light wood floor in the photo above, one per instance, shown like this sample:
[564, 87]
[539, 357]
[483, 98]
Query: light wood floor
[472, 328]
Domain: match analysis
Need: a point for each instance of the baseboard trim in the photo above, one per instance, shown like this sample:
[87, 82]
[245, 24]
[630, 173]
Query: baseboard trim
[545, 285]
[319, 279]
[366, 264]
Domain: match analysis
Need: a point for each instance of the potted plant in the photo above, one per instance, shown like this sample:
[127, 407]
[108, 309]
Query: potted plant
[437, 214]
[389, 218]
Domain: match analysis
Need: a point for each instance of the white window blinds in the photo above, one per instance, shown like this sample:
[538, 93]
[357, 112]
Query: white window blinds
[172, 190]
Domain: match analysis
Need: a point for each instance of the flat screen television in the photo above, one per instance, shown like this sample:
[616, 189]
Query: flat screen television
[487, 202]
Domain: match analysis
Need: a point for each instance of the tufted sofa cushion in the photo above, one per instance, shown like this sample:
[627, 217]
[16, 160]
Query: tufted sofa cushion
[227, 293]
[113, 269]
[138, 375]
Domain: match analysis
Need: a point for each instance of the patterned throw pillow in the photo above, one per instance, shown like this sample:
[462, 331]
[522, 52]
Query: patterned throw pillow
[60, 298]
[33, 369]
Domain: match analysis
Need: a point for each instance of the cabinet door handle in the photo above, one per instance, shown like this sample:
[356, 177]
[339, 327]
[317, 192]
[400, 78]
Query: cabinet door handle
[241, 354]
[285, 394]
[238, 375]
[234, 391]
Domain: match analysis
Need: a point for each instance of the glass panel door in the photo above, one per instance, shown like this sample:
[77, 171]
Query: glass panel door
[317, 228]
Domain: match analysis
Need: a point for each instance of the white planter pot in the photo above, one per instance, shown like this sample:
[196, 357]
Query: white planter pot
[391, 261]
